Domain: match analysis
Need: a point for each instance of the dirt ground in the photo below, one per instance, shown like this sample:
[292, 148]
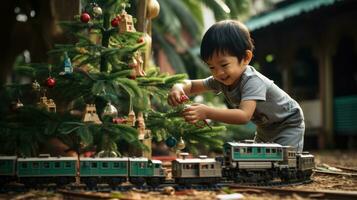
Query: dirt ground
[321, 181]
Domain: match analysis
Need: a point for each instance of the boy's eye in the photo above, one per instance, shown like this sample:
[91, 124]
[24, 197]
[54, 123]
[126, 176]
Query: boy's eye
[225, 64]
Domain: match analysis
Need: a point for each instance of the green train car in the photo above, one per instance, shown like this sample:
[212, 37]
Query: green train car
[144, 170]
[7, 169]
[43, 170]
[113, 171]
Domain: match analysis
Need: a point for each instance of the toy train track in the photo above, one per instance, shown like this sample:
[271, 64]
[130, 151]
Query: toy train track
[242, 162]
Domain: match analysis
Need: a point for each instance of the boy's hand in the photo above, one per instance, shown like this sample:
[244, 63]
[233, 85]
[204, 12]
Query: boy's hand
[177, 96]
[195, 112]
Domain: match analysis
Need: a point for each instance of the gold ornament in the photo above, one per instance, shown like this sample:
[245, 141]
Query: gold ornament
[48, 104]
[181, 144]
[36, 86]
[153, 9]
[110, 111]
[126, 23]
[131, 118]
[90, 114]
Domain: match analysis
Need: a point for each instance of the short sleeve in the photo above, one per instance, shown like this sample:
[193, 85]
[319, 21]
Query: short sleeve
[254, 88]
[211, 84]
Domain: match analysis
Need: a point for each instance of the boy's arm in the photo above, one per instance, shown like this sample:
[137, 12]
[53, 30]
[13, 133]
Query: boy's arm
[241, 115]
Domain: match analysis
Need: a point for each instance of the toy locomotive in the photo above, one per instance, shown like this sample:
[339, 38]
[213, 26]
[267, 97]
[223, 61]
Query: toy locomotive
[241, 162]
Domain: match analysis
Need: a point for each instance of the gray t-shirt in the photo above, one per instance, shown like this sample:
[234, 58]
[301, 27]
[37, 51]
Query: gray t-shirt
[275, 110]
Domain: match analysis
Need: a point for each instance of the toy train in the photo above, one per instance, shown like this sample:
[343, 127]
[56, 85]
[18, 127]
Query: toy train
[241, 162]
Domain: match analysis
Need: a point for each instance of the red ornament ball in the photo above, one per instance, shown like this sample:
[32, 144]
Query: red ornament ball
[184, 98]
[141, 40]
[50, 82]
[115, 22]
[85, 17]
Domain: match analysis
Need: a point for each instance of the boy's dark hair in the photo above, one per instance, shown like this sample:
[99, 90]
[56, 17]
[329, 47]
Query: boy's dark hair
[228, 36]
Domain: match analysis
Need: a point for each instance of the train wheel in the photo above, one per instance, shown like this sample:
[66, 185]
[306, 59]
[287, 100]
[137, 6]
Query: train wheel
[154, 181]
[138, 181]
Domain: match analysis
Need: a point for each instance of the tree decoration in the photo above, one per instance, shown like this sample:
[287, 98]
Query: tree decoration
[68, 69]
[90, 114]
[97, 11]
[126, 23]
[115, 22]
[85, 17]
[36, 86]
[131, 118]
[50, 82]
[181, 144]
[16, 105]
[109, 111]
[47, 104]
[171, 141]
[153, 9]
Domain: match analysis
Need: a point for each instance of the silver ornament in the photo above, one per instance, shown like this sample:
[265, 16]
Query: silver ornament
[110, 111]
[97, 11]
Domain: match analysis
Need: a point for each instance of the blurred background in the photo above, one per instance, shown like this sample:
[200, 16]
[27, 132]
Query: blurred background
[308, 47]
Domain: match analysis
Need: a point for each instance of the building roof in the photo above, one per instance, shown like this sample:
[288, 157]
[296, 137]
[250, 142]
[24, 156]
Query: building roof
[282, 13]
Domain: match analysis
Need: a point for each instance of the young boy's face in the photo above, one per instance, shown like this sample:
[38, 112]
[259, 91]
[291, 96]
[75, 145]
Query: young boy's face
[226, 68]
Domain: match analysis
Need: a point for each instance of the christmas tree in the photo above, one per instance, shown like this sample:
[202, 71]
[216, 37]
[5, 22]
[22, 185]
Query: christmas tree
[98, 94]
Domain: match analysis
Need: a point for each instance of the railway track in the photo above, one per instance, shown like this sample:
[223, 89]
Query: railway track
[314, 194]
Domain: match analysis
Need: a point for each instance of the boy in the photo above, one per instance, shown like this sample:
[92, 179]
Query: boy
[227, 49]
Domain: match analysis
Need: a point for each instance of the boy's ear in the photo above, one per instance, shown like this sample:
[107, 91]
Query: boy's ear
[248, 57]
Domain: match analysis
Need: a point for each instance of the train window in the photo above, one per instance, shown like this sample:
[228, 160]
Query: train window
[142, 165]
[24, 165]
[259, 150]
[267, 150]
[195, 166]
[67, 165]
[204, 166]
[249, 150]
[46, 165]
[57, 165]
[105, 165]
[94, 165]
[212, 166]
[279, 150]
[115, 165]
[236, 150]
[157, 165]
[273, 150]
[243, 150]
[35, 165]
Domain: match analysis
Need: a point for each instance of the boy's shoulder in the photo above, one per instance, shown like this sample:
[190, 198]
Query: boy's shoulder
[252, 76]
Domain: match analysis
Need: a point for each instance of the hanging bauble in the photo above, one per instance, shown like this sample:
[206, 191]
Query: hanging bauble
[97, 11]
[50, 82]
[115, 22]
[141, 40]
[153, 9]
[68, 69]
[85, 17]
[171, 141]
[36, 86]
[181, 144]
[109, 111]
[16, 105]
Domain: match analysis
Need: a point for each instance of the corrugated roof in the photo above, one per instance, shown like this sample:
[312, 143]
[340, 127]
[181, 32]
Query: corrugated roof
[280, 14]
